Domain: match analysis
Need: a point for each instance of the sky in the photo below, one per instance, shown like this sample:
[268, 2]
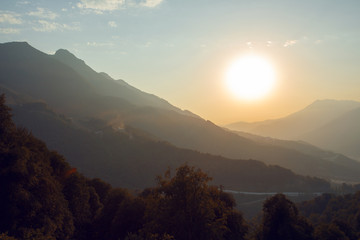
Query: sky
[180, 50]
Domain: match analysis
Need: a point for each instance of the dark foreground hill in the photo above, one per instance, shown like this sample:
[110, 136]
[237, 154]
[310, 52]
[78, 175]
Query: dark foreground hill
[69, 87]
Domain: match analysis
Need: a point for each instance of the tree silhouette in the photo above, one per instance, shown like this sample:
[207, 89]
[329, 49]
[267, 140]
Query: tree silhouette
[29, 192]
[281, 220]
[186, 207]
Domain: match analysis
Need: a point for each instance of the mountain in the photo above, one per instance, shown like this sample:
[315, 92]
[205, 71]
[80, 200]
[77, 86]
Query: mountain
[322, 123]
[43, 197]
[341, 134]
[85, 98]
[130, 158]
[104, 85]
[299, 123]
[304, 148]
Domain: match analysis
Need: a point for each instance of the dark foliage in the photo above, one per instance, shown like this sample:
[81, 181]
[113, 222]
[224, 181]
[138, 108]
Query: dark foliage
[186, 207]
[281, 220]
[44, 198]
[29, 191]
[334, 216]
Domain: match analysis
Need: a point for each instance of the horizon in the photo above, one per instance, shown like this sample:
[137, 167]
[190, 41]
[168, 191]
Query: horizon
[153, 47]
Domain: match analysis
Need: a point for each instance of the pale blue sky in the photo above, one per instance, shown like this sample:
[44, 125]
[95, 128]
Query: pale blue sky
[180, 49]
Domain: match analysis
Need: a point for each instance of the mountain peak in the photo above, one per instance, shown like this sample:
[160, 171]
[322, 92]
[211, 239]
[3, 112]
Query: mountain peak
[107, 76]
[332, 103]
[17, 44]
[66, 56]
[69, 59]
[64, 52]
[15, 50]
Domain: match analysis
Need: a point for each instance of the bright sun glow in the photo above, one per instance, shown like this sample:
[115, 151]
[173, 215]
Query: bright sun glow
[250, 77]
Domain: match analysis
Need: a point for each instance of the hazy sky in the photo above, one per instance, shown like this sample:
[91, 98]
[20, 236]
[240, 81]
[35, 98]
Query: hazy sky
[180, 49]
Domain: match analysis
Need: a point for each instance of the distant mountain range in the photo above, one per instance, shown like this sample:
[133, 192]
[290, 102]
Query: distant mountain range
[130, 158]
[329, 124]
[107, 127]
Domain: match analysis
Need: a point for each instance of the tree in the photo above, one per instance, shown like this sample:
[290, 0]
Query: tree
[121, 214]
[186, 207]
[281, 220]
[5, 236]
[6, 125]
[329, 232]
[32, 205]
[83, 202]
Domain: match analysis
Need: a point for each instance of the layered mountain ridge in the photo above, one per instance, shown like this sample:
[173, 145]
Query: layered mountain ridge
[329, 124]
[101, 106]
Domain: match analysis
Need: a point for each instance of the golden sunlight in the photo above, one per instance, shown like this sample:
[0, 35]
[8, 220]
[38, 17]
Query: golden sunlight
[250, 77]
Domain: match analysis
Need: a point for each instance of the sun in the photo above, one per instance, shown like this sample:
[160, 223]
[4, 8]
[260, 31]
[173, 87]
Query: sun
[250, 77]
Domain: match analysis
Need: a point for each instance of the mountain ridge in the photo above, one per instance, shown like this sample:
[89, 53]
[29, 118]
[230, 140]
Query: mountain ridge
[182, 130]
[128, 159]
[320, 118]
[294, 125]
[114, 88]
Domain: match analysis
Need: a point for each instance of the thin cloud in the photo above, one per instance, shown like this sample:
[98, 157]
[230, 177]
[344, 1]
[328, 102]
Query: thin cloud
[100, 44]
[151, 3]
[9, 30]
[10, 17]
[23, 3]
[112, 24]
[101, 5]
[46, 26]
[43, 13]
[290, 43]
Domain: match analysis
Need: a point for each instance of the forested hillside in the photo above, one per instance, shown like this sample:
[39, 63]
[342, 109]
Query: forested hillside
[334, 216]
[43, 197]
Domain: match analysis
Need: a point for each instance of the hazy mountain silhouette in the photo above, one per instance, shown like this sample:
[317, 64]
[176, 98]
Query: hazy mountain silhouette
[104, 85]
[29, 71]
[341, 134]
[304, 148]
[131, 158]
[85, 96]
[299, 123]
[329, 124]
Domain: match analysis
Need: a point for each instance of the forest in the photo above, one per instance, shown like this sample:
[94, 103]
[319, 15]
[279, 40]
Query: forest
[43, 197]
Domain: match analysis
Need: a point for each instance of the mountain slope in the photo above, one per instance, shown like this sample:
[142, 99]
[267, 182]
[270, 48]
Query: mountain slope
[130, 158]
[329, 124]
[40, 76]
[299, 123]
[304, 148]
[341, 135]
[29, 71]
[104, 85]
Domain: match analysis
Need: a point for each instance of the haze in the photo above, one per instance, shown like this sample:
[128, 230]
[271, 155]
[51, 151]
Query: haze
[180, 50]
[96, 140]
